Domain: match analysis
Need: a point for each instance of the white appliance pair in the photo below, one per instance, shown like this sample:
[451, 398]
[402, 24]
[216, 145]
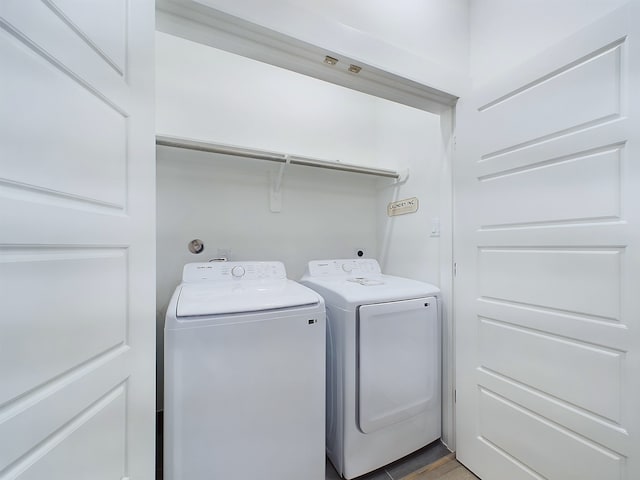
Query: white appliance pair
[245, 370]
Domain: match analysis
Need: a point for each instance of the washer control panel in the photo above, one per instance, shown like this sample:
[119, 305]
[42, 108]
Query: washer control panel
[357, 267]
[232, 271]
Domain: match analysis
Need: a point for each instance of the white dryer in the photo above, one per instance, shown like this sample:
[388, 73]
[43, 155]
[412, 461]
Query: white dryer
[244, 375]
[383, 363]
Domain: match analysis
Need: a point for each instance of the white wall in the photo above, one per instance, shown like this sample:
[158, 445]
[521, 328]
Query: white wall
[208, 94]
[224, 201]
[212, 95]
[405, 245]
[504, 33]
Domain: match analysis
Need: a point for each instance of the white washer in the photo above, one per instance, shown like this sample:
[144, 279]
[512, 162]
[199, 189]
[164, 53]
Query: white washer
[244, 375]
[383, 363]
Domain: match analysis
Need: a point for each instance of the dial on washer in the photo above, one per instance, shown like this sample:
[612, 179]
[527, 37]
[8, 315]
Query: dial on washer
[238, 271]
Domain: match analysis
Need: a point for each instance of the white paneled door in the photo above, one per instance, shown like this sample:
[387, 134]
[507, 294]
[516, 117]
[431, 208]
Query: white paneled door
[548, 263]
[77, 240]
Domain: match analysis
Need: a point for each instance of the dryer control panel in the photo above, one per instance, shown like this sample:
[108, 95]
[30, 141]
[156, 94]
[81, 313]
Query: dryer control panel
[232, 271]
[358, 267]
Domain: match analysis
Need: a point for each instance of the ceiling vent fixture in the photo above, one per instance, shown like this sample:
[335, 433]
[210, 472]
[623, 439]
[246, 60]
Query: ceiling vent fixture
[354, 68]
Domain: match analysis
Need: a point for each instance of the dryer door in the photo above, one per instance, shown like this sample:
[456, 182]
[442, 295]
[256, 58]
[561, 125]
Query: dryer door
[398, 361]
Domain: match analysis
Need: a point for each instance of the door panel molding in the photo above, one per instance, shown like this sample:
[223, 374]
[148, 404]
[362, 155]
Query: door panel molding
[547, 324]
[77, 243]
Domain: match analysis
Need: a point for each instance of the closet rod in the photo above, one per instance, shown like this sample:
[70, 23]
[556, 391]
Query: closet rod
[190, 144]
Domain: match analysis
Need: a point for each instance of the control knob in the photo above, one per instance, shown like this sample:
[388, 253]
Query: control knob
[238, 271]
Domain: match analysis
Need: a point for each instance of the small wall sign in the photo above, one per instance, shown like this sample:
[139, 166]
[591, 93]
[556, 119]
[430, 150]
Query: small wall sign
[402, 207]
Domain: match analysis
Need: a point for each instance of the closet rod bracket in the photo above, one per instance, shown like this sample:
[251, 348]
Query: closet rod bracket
[275, 194]
[403, 175]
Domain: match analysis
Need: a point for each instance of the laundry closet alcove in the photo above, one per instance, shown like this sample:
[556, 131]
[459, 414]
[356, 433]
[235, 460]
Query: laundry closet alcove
[367, 135]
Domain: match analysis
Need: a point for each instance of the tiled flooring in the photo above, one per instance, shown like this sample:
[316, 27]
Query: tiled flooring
[447, 468]
[444, 468]
[403, 467]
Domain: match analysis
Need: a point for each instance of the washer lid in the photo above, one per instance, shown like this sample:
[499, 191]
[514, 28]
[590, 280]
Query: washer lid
[197, 299]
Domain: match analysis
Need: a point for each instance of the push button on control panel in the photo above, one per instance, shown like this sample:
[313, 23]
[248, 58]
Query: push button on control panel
[238, 271]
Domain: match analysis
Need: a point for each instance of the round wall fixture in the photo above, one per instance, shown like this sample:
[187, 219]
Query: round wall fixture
[196, 246]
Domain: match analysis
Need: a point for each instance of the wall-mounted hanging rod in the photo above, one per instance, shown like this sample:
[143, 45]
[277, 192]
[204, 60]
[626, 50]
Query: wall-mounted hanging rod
[191, 144]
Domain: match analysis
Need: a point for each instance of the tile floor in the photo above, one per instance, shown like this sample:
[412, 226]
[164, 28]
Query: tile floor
[400, 468]
[447, 468]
